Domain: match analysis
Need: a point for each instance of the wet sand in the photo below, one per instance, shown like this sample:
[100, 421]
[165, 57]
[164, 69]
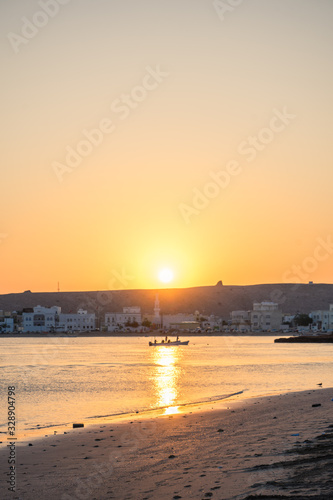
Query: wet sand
[273, 447]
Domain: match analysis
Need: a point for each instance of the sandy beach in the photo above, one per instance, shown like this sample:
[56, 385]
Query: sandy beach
[274, 447]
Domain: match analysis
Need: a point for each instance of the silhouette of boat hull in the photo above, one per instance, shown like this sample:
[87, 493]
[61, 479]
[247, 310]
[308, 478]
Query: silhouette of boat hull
[169, 343]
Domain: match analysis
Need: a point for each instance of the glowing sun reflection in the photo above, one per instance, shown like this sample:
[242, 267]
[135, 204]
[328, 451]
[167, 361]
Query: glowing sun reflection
[165, 377]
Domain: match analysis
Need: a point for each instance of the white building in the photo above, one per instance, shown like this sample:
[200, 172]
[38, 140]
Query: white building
[241, 321]
[50, 319]
[266, 317]
[212, 322]
[116, 321]
[82, 321]
[6, 325]
[322, 320]
[169, 320]
[42, 319]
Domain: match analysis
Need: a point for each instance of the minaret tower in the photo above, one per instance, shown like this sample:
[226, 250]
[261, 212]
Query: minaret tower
[157, 309]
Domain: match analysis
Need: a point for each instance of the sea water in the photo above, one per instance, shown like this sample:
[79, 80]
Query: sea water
[61, 380]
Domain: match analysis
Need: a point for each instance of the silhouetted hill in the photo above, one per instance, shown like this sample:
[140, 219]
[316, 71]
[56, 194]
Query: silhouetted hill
[219, 300]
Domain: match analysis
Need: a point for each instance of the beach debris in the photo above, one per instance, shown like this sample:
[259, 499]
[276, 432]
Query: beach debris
[77, 425]
[220, 430]
[176, 497]
[316, 404]
[297, 434]
[30, 444]
[172, 456]
[320, 383]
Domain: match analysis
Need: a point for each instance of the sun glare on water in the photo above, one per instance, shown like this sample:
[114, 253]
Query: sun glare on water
[165, 275]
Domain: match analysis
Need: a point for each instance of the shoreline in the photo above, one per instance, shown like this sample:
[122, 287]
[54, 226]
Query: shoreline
[47, 431]
[252, 447]
[139, 334]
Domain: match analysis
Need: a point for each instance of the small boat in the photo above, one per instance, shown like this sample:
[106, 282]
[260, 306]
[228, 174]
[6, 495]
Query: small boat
[168, 342]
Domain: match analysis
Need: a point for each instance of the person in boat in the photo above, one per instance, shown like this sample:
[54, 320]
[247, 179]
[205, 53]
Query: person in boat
[155, 341]
[166, 338]
[177, 338]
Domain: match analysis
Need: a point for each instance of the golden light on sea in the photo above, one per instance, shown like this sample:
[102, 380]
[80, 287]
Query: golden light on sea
[165, 377]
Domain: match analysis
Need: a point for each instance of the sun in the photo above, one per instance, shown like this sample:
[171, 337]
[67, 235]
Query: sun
[165, 275]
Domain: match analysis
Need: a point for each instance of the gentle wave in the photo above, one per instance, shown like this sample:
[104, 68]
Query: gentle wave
[179, 405]
[216, 398]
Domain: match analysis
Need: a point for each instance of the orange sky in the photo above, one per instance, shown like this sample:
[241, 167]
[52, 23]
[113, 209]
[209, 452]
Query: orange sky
[142, 135]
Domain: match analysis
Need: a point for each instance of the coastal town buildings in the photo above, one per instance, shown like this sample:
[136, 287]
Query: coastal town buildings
[170, 320]
[82, 321]
[6, 325]
[211, 322]
[119, 320]
[50, 319]
[241, 321]
[41, 319]
[322, 319]
[185, 325]
[266, 317]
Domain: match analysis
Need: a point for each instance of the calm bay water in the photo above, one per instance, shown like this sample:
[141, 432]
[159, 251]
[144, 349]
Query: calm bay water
[63, 380]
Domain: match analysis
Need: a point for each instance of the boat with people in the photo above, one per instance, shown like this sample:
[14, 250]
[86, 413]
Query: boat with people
[168, 342]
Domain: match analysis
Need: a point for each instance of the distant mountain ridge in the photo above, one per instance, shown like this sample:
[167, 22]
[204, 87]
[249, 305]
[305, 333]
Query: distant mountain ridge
[219, 300]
